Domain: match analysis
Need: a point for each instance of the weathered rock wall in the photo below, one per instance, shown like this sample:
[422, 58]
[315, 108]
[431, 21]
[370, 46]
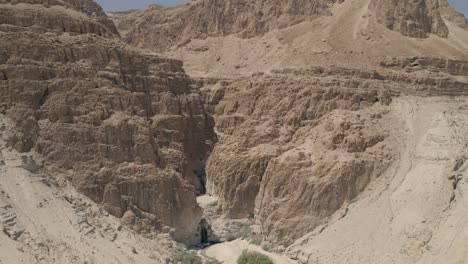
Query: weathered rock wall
[296, 145]
[294, 148]
[413, 64]
[160, 28]
[125, 128]
[411, 18]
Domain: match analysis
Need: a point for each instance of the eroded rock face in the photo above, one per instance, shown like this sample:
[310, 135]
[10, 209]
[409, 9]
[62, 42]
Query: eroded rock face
[159, 28]
[413, 64]
[412, 18]
[294, 147]
[329, 166]
[125, 128]
[447, 12]
[297, 145]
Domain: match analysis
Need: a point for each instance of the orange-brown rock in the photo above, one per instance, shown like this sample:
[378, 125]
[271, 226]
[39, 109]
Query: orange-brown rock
[124, 127]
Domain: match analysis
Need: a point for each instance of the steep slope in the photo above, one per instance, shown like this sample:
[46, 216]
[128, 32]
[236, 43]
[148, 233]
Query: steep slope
[415, 213]
[45, 220]
[159, 28]
[341, 139]
[124, 127]
[309, 116]
[411, 18]
[351, 34]
[297, 145]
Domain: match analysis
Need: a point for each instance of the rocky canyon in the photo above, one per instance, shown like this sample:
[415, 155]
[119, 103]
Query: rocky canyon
[312, 131]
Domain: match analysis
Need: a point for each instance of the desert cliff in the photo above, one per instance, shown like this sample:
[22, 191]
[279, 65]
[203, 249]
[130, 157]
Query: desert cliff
[321, 131]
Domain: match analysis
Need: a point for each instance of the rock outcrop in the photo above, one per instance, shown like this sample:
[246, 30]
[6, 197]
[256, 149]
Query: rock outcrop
[298, 145]
[447, 12]
[126, 128]
[437, 65]
[412, 18]
[414, 212]
[160, 28]
[288, 141]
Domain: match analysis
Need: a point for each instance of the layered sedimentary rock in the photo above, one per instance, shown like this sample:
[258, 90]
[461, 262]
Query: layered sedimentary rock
[300, 147]
[124, 127]
[160, 28]
[414, 213]
[412, 18]
[133, 132]
[412, 64]
[447, 12]
[293, 147]
[297, 145]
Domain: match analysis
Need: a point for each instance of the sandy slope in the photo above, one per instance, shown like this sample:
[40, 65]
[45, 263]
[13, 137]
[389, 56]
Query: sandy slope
[44, 220]
[229, 252]
[413, 214]
[351, 37]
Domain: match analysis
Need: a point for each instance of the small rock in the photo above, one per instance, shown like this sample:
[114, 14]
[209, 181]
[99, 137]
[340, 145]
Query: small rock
[128, 218]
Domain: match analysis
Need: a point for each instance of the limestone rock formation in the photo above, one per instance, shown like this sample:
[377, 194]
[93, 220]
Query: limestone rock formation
[447, 12]
[412, 18]
[160, 28]
[297, 145]
[45, 220]
[349, 34]
[338, 140]
[410, 214]
[124, 127]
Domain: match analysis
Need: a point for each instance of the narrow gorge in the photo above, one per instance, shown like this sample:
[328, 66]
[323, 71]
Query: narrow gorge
[319, 131]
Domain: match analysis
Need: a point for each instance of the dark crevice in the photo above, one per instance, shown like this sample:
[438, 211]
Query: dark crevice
[44, 97]
[6, 232]
[201, 177]
[159, 162]
[147, 106]
[124, 78]
[203, 235]
[64, 29]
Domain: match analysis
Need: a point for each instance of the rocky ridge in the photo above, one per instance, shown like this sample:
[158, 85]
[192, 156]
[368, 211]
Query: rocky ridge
[412, 18]
[160, 28]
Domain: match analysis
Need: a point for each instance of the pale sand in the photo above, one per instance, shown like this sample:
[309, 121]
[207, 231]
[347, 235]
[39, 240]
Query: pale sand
[229, 252]
[412, 214]
[60, 225]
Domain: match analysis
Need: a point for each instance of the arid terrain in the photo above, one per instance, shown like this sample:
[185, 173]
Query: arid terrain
[313, 131]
